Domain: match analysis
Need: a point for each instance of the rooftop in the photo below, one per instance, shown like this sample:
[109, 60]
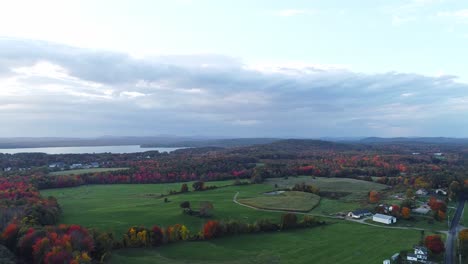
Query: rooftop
[382, 216]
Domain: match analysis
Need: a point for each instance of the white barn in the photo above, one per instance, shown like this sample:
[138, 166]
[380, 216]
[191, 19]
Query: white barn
[384, 219]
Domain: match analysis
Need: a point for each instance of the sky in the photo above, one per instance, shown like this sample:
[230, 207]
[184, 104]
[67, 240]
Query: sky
[264, 68]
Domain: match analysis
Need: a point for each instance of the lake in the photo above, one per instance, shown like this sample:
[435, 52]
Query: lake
[82, 150]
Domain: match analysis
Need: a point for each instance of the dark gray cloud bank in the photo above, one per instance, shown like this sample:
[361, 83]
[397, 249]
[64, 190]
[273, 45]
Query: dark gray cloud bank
[54, 90]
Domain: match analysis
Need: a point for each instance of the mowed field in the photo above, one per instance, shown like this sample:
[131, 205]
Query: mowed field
[356, 192]
[288, 201]
[342, 242]
[84, 171]
[117, 207]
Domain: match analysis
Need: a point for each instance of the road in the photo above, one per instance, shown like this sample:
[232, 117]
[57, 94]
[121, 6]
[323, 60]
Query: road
[450, 246]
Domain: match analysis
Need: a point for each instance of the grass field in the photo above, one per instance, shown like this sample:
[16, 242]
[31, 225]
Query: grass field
[343, 242]
[84, 171]
[329, 184]
[289, 201]
[465, 215]
[117, 207]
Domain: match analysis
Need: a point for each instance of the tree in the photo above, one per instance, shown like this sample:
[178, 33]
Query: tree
[405, 212]
[435, 244]
[463, 237]
[184, 188]
[395, 210]
[198, 186]
[206, 209]
[374, 197]
[454, 189]
[212, 229]
[410, 193]
[185, 205]
[288, 220]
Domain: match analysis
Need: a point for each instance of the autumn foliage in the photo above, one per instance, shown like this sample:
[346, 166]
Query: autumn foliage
[212, 229]
[374, 197]
[435, 244]
[405, 212]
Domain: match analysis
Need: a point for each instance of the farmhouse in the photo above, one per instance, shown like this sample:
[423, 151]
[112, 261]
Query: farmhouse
[359, 213]
[423, 209]
[384, 219]
[419, 256]
[57, 165]
[76, 166]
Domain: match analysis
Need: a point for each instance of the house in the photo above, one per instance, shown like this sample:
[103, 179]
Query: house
[94, 164]
[423, 209]
[384, 219]
[76, 166]
[421, 253]
[438, 154]
[422, 192]
[359, 213]
[57, 165]
[419, 256]
[441, 192]
[7, 169]
[387, 261]
[395, 256]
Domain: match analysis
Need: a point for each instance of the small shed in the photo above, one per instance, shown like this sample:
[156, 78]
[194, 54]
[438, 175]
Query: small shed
[384, 219]
[387, 261]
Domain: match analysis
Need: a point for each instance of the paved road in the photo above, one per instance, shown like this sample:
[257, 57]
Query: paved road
[450, 246]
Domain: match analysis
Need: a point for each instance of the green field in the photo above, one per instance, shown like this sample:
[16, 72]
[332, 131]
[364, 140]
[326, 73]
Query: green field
[117, 207]
[343, 242]
[84, 171]
[288, 201]
[465, 215]
[329, 184]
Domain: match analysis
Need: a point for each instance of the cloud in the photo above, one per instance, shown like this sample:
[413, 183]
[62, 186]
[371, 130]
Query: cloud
[294, 12]
[459, 14]
[55, 90]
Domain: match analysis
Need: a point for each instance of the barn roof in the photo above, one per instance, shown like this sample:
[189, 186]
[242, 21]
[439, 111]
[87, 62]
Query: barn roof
[382, 216]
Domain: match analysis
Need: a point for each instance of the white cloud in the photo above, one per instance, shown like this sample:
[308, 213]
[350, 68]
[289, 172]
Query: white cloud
[48, 89]
[294, 12]
[459, 14]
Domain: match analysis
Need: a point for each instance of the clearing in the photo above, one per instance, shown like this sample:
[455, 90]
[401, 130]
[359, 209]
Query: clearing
[287, 201]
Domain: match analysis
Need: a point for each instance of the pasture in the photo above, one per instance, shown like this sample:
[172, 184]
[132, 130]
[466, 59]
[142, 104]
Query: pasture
[117, 207]
[84, 171]
[287, 201]
[342, 242]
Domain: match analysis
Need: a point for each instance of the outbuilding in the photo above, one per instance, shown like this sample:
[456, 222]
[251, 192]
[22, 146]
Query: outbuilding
[384, 219]
[359, 213]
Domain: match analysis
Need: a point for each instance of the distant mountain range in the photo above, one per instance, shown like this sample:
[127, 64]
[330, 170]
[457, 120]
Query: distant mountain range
[175, 141]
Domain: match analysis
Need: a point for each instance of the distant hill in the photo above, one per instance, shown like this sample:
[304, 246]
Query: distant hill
[221, 143]
[429, 140]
